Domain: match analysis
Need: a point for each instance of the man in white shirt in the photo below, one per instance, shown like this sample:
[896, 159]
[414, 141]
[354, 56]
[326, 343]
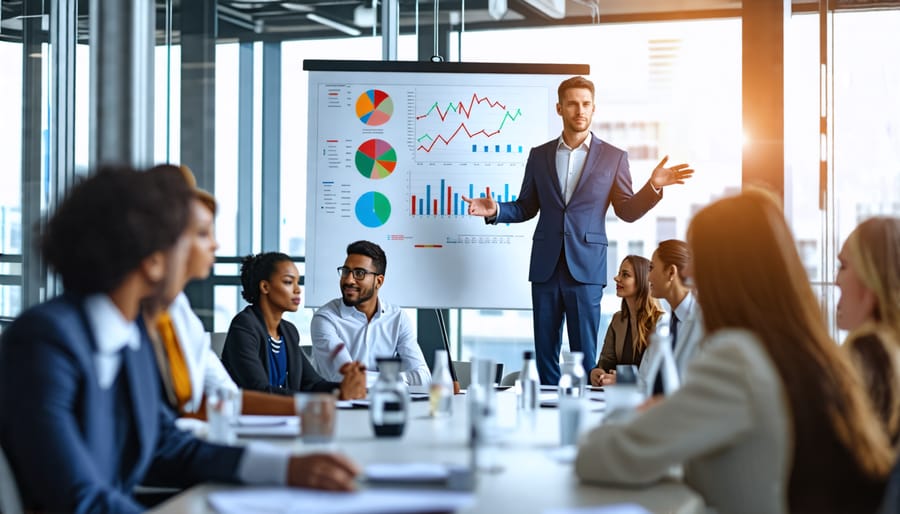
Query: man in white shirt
[361, 327]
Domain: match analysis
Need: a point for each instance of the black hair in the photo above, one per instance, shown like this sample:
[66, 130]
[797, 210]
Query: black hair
[372, 251]
[255, 268]
[110, 222]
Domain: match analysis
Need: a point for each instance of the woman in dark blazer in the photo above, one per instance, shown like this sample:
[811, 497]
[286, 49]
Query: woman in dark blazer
[262, 351]
[629, 331]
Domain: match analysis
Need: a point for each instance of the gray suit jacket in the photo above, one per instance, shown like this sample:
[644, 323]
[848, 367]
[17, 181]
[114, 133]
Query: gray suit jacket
[728, 424]
[690, 333]
[614, 343]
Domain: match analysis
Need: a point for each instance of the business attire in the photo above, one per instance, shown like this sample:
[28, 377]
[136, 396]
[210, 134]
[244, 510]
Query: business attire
[618, 345]
[878, 361]
[689, 332]
[81, 414]
[389, 333]
[572, 188]
[246, 356]
[204, 368]
[730, 425]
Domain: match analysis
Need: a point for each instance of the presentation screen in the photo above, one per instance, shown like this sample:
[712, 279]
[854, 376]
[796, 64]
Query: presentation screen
[394, 146]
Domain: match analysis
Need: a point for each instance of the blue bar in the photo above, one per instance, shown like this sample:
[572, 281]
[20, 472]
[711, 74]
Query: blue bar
[471, 191]
[508, 148]
[443, 195]
[455, 204]
[513, 198]
[485, 148]
[428, 199]
[505, 192]
[480, 195]
[497, 148]
[474, 148]
[520, 149]
[421, 208]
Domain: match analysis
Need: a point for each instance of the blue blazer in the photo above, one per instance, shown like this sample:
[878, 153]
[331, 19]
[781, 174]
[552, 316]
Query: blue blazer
[56, 427]
[580, 226]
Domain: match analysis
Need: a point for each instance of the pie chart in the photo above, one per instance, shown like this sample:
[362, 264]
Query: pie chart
[373, 209]
[374, 107]
[376, 159]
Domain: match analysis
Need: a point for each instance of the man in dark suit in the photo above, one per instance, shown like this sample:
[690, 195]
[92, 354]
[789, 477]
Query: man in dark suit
[571, 181]
[82, 419]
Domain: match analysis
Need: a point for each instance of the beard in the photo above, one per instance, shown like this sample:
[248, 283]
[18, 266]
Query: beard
[363, 295]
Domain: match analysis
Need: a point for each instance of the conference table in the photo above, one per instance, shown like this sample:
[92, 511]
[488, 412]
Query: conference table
[523, 471]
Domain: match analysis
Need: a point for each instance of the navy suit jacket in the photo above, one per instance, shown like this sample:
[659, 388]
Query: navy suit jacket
[580, 225]
[56, 431]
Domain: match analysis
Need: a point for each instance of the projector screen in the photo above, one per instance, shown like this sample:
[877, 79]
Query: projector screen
[393, 146]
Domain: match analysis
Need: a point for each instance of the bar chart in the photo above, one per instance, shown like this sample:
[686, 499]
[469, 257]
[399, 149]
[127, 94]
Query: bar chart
[443, 199]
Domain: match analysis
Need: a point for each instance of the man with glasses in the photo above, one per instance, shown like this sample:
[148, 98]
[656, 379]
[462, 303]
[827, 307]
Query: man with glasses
[359, 326]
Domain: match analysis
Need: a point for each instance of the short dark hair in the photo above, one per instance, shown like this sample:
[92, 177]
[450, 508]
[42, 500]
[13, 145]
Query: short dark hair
[255, 268]
[110, 222]
[370, 250]
[578, 82]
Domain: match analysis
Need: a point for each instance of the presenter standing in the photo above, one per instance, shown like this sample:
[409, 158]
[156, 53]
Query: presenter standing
[572, 180]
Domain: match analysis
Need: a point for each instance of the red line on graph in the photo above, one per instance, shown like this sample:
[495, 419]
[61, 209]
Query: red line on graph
[461, 108]
[462, 126]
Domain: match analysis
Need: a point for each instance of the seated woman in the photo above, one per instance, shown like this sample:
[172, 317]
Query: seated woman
[869, 280]
[772, 417]
[188, 365]
[262, 351]
[668, 282]
[629, 331]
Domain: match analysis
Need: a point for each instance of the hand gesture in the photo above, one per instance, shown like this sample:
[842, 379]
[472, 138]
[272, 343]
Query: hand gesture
[485, 207]
[353, 385]
[322, 471]
[663, 176]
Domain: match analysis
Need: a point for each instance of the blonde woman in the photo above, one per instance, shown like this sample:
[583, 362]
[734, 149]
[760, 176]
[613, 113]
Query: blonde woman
[629, 330]
[869, 308]
[772, 417]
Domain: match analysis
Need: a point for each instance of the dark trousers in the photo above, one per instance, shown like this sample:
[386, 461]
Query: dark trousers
[563, 297]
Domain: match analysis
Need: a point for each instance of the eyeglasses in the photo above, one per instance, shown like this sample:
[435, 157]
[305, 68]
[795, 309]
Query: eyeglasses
[358, 273]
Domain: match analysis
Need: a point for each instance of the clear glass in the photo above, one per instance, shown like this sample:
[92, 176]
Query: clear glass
[572, 381]
[389, 407]
[318, 415]
[482, 405]
[441, 389]
[223, 408]
[528, 390]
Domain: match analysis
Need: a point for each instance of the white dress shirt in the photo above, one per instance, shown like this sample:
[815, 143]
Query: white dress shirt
[260, 464]
[206, 371]
[388, 334]
[570, 164]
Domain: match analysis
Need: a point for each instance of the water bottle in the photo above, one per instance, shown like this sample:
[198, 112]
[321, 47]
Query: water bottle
[389, 407]
[441, 389]
[529, 388]
[572, 381]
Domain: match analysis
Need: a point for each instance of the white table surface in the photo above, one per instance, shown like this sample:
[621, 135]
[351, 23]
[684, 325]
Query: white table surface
[533, 475]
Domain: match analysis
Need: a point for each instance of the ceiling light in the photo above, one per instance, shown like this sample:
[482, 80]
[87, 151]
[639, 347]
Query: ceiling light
[336, 25]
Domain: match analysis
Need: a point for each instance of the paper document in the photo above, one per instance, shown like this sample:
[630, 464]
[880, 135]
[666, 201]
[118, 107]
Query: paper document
[411, 472]
[371, 501]
[267, 426]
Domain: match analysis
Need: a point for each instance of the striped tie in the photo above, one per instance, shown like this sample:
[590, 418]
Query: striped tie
[181, 379]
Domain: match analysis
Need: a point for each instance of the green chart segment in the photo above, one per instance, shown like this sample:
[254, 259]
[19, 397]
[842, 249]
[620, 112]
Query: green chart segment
[376, 159]
[374, 107]
[373, 209]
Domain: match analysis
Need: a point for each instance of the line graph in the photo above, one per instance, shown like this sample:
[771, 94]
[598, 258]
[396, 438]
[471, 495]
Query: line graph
[458, 124]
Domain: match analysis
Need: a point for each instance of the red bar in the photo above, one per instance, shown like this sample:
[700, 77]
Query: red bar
[435, 211]
[449, 199]
[487, 193]
[413, 205]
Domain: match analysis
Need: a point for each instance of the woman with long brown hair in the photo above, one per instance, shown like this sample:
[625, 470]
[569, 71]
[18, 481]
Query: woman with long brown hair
[629, 330]
[869, 308]
[771, 417]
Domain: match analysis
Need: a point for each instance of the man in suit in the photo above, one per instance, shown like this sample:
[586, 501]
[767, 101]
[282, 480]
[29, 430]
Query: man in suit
[571, 181]
[81, 415]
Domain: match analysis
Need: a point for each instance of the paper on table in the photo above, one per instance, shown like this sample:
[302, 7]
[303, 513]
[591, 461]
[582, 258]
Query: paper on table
[619, 508]
[408, 472]
[369, 501]
[267, 426]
